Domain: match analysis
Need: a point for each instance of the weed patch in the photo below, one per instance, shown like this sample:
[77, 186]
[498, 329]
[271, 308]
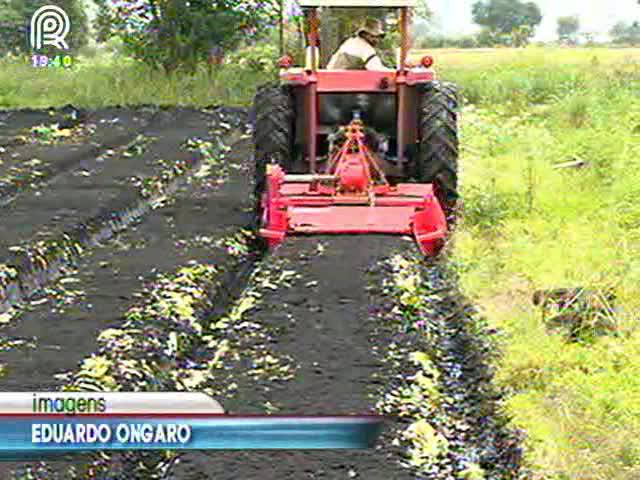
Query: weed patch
[529, 226]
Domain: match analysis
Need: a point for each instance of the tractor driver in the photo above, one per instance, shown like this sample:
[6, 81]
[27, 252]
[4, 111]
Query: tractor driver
[359, 52]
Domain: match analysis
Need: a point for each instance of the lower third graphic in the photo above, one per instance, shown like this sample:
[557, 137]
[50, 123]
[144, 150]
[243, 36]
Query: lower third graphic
[49, 26]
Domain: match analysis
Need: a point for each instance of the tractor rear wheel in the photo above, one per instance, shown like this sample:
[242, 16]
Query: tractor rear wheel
[272, 135]
[437, 161]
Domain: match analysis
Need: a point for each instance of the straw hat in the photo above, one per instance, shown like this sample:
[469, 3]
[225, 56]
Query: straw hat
[372, 27]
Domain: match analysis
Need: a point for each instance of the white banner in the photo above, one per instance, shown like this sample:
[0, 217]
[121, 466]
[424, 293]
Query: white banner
[65, 403]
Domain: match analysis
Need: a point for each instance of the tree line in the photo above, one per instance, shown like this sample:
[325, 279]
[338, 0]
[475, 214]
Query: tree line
[171, 34]
[514, 22]
[165, 34]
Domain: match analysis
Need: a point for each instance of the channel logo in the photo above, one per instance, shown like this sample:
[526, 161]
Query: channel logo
[49, 26]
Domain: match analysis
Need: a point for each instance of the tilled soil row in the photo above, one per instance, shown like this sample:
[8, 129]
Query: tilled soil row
[40, 261]
[29, 162]
[320, 320]
[443, 383]
[156, 344]
[55, 334]
[178, 337]
[360, 345]
[91, 183]
[163, 343]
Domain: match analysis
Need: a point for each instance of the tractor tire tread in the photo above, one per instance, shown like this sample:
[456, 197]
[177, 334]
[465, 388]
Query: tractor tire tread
[273, 133]
[439, 144]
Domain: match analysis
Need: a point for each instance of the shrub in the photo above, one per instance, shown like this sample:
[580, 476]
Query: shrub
[257, 58]
[176, 35]
[468, 41]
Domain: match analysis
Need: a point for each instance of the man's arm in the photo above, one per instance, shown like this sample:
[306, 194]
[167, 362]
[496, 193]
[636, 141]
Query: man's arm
[374, 63]
[371, 58]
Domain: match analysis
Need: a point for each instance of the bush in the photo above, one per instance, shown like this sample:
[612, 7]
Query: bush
[467, 41]
[176, 35]
[257, 58]
[626, 34]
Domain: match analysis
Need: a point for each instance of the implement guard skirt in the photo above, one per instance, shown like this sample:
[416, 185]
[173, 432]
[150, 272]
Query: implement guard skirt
[406, 209]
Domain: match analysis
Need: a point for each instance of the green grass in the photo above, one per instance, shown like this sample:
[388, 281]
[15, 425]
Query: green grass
[533, 75]
[98, 82]
[528, 226]
[101, 77]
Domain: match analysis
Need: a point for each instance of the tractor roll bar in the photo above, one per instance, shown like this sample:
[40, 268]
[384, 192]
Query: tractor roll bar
[313, 20]
[404, 38]
[311, 96]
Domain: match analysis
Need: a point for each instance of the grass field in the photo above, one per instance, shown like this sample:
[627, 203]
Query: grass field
[107, 80]
[487, 75]
[526, 225]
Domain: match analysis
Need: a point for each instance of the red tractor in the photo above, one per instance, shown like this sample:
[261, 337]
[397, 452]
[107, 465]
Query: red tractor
[356, 151]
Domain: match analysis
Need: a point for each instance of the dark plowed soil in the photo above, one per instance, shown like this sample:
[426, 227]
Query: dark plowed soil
[63, 330]
[110, 277]
[14, 122]
[28, 160]
[90, 189]
[324, 323]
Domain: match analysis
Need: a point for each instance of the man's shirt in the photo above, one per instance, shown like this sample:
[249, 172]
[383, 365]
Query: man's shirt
[356, 54]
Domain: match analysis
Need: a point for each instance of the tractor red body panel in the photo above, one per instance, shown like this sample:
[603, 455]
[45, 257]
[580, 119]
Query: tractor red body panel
[356, 81]
[310, 85]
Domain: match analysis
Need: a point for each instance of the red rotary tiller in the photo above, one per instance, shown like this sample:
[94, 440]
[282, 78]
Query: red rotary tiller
[351, 197]
[396, 176]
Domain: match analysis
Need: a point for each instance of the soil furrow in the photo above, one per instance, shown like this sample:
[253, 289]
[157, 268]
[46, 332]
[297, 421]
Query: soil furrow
[462, 352]
[109, 277]
[100, 219]
[34, 163]
[76, 197]
[323, 322]
[441, 377]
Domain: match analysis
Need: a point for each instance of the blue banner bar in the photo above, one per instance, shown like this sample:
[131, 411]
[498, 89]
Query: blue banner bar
[25, 436]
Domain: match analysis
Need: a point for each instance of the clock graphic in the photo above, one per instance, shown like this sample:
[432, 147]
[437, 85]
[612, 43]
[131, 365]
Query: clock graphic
[44, 61]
